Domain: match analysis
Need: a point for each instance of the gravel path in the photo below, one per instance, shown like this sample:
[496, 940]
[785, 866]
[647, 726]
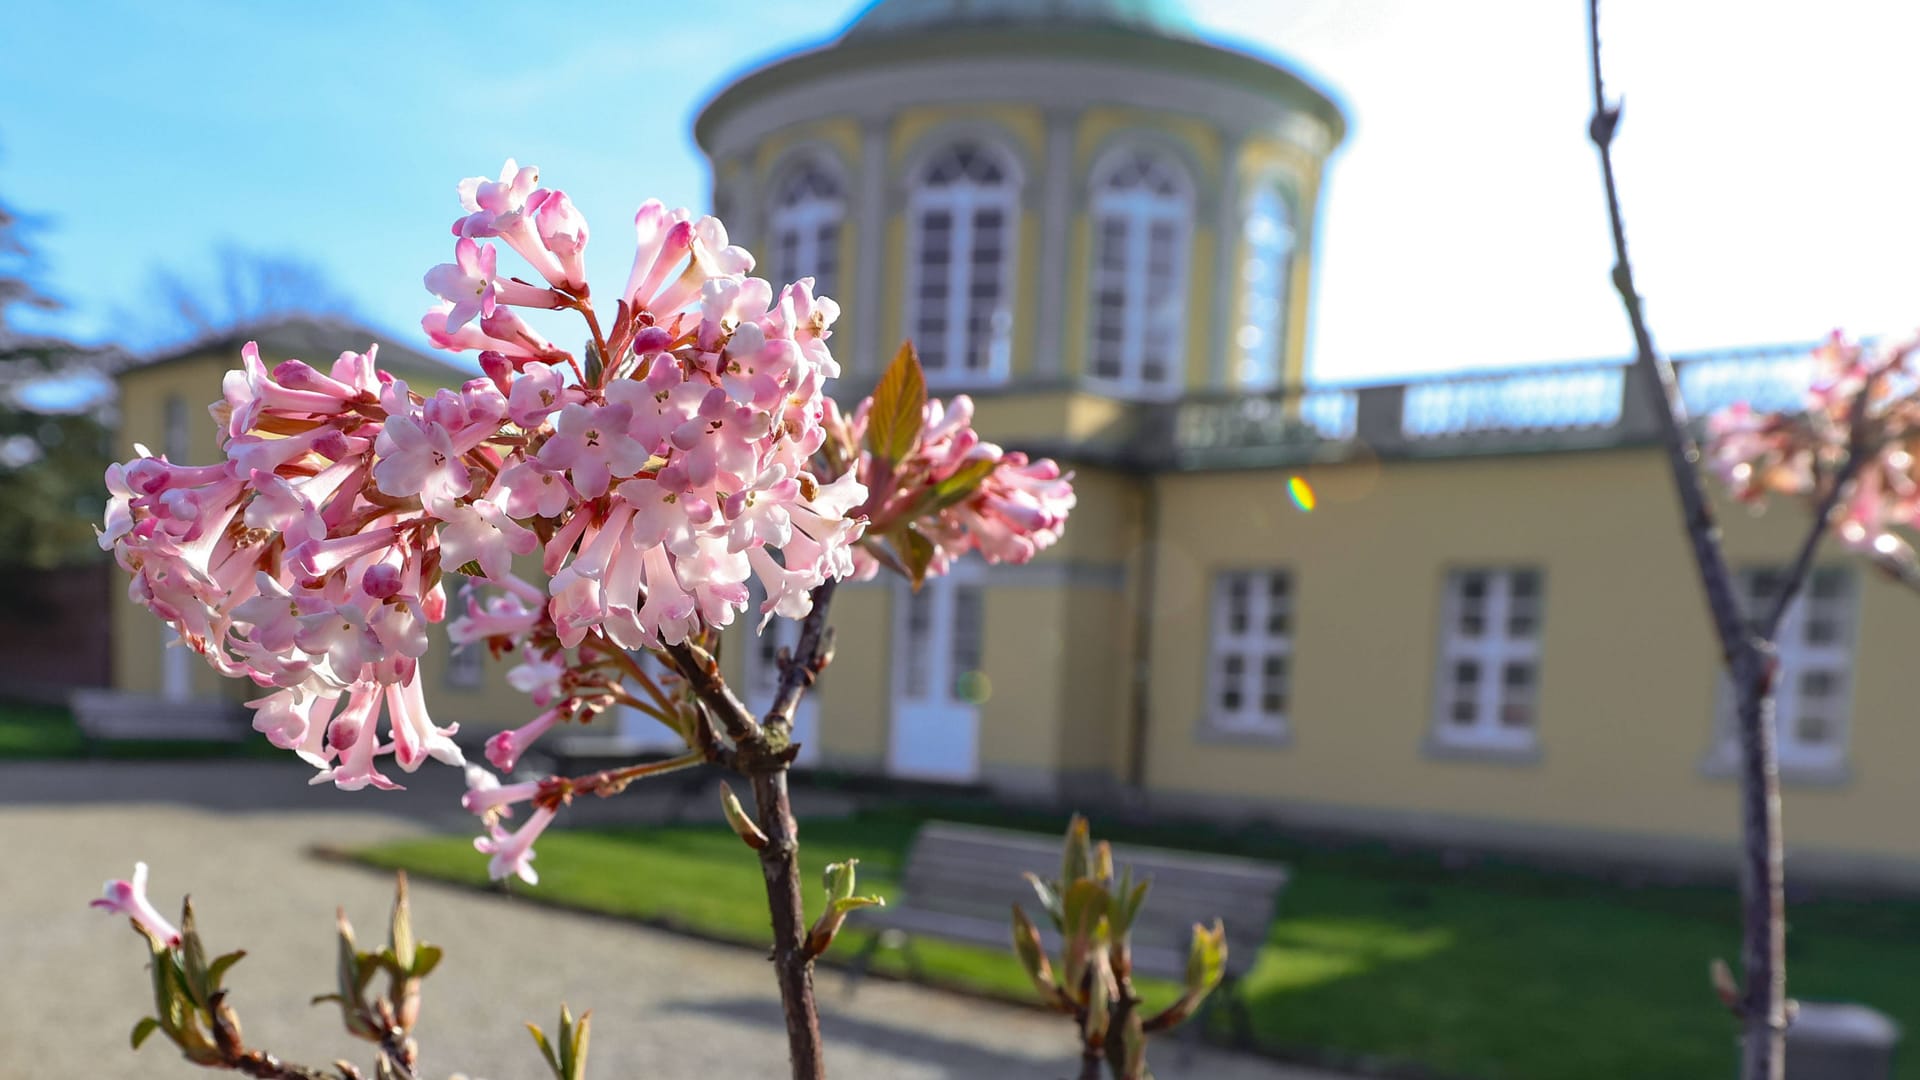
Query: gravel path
[665, 1007]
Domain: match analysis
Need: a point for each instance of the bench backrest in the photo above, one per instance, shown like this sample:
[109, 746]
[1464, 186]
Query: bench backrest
[973, 871]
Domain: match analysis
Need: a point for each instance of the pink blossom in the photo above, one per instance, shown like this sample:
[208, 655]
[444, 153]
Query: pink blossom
[505, 748]
[418, 458]
[538, 677]
[564, 233]
[591, 443]
[466, 282]
[512, 853]
[489, 798]
[129, 898]
[537, 393]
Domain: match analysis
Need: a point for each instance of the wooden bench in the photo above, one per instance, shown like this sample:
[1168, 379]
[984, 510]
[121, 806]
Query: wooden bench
[113, 716]
[961, 881]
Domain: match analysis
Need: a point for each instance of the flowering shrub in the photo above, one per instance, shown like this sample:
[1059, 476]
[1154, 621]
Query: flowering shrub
[690, 450]
[1849, 451]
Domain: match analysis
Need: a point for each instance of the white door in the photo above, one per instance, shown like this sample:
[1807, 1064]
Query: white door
[936, 679]
[176, 667]
[763, 679]
[635, 731]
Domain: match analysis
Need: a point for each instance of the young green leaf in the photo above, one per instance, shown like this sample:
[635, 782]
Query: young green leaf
[425, 959]
[546, 1050]
[147, 1026]
[217, 970]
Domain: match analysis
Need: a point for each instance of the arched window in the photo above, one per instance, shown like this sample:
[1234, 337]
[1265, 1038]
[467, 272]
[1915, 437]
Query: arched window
[804, 222]
[960, 307]
[1142, 215]
[1265, 281]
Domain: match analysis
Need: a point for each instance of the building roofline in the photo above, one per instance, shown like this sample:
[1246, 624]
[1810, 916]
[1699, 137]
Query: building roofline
[1204, 59]
[320, 336]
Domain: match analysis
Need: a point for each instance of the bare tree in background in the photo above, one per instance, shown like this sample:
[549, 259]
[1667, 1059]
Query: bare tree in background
[246, 286]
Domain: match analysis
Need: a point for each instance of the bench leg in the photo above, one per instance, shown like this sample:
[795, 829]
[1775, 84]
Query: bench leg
[861, 963]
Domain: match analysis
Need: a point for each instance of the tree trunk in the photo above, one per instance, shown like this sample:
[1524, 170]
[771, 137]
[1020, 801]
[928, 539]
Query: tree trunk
[793, 968]
[1763, 954]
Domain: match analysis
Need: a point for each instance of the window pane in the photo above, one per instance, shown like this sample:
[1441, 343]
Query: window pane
[1232, 667]
[919, 630]
[1237, 607]
[1273, 686]
[967, 628]
[1263, 288]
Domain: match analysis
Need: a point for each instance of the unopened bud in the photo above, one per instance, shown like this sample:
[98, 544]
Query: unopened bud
[737, 817]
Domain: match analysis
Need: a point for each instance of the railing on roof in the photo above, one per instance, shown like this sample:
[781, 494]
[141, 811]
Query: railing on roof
[1586, 397]
[1579, 405]
[1299, 419]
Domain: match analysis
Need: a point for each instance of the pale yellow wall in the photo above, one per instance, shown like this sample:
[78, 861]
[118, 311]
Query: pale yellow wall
[1026, 651]
[840, 133]
[1101, 123]
[1022, 123]
[1078, 327]
[139, 637]
[1627, 668]
[855, 693]
[1201, 336]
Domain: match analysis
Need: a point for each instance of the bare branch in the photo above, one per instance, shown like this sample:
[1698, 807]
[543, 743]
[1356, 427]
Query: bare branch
[1857, 453]
[1748, 658]
[811, 653]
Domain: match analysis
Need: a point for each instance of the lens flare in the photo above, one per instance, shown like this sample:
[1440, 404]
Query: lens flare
[1301, 493]
[972, 687]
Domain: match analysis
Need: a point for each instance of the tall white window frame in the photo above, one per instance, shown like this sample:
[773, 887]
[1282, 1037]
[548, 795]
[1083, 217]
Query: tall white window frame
[804, 223]
[1266, 287]
[1813, 699]
[1487, 696]
[1250, 654]
[1142, 208]
[964, 215]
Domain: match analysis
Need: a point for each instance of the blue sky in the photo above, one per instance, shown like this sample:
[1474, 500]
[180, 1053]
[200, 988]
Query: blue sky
[1767, 153]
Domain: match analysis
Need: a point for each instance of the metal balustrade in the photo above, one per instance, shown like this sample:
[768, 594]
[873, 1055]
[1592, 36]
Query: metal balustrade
[1579, 405]
[1554, 399]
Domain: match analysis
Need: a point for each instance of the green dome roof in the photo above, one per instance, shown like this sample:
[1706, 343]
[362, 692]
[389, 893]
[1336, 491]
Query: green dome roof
[889, 17]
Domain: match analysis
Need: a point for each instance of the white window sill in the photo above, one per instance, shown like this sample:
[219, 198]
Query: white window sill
[1238, 733]
[1440, 747]
[1723, 763]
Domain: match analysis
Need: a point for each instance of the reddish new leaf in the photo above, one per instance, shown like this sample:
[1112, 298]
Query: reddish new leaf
[899, 403]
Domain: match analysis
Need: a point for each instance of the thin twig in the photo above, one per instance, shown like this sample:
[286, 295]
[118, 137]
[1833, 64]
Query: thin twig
[1857, 454]
[702, 673]
[811, 652]
[1748, 657]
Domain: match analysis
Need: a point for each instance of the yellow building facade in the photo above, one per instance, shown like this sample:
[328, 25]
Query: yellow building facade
[1454, 612]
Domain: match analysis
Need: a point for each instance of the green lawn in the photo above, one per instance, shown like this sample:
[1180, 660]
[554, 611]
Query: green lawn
[1378, 958]
[44, 732]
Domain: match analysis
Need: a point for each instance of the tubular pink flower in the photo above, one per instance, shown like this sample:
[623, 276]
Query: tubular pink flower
[487, 797]
[505, 748]
[129, 898]
[512, 853]
[563, 231]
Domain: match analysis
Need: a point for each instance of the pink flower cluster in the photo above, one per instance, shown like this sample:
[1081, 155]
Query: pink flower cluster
[689, 451]
[962, 493]
[1862, 401]
[309, 559]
